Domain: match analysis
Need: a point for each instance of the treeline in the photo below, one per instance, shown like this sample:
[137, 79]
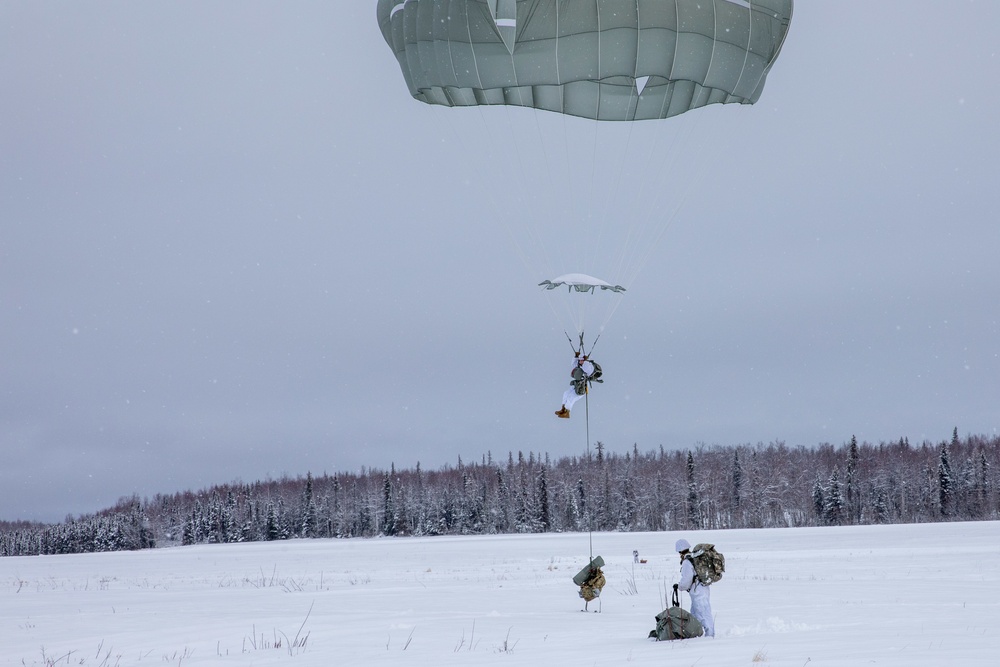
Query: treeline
[703, 488]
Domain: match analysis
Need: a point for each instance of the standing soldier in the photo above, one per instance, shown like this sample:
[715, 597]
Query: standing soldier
[701, 605]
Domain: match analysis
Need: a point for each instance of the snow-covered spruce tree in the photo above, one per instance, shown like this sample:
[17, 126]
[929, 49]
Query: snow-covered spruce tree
[581, 521]
[272, 530]
[402, 504]
[417, 514]
[927, 507]
[606, 513]
[753, 516]
[188, 531]
[138, 533]
[853, 504]
[234, 518]
[833, 511]
[965, 491]
[983, 485]
[880, 503]
[478, 499]
[819, 501]
[388, 507]
[735, 500]
[627, 510]
[500, 507]
[693, 501]
[307, 510]
[543, 518]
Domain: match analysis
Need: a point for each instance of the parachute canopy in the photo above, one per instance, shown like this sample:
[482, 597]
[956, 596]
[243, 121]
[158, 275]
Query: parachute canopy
[580, 282]
[605, 60]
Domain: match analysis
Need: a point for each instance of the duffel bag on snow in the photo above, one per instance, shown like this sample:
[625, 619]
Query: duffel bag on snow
[676, 623]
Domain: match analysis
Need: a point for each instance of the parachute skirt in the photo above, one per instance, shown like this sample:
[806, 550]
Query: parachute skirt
[622, 60]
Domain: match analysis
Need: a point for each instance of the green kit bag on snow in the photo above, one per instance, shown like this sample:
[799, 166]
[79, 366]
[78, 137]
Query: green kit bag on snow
[676, 623]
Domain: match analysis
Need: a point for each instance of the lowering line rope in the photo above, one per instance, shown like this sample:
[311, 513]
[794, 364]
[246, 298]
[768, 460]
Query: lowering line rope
[590, 522]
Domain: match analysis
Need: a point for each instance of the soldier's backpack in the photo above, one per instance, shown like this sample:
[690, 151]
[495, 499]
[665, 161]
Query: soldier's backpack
[590, 579]
[591, 588]
[581, 379]
[596, 375]
[708, 563]
[676, 623]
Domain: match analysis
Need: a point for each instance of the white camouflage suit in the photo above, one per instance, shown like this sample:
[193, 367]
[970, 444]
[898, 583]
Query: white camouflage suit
[701, 605]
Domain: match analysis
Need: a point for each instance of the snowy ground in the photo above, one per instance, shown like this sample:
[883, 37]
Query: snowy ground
[888, 595]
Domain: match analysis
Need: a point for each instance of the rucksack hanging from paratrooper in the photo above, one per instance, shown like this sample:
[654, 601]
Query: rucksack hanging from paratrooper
[596, 375]
[581, 380]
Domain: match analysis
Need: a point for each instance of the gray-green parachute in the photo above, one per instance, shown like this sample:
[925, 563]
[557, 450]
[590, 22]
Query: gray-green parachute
[601, 59]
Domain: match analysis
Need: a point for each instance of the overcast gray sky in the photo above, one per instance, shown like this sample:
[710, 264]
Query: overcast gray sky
[233, 247]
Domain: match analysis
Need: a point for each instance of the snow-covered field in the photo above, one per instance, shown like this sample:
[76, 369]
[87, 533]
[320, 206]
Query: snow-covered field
[887, 595]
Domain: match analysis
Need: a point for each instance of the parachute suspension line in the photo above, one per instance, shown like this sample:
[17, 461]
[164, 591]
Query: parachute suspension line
[644, 232]
[532, 211]
[590, 518]
[593, 178]
[571, 344]
[596, 123]
[639, 233]
[526, 231]
[524, 237]
[616, 269]
[564, 120]
[477, 157]
[654, 222]
[473, 160]
[578, 207]
[547, 198]
[519, 173]
[700, 172]
[581, 347]
[577, 320]
[593, 346]
[616, 194]
[482, 157]
[647, 227]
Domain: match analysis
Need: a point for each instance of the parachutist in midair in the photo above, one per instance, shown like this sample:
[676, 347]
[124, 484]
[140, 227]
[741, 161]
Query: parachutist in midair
[583, 373]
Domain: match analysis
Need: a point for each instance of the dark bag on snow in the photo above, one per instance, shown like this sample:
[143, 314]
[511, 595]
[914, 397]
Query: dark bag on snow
[676, 623]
